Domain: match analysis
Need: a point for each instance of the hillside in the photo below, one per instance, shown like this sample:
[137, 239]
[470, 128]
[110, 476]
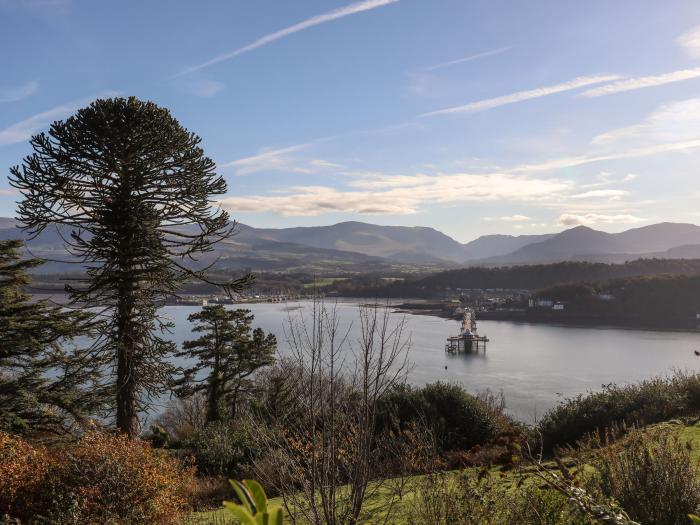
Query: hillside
[583, 243]
[357, 247]
[406, 244]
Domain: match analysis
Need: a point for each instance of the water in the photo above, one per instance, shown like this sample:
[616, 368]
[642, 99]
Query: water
[535, 365]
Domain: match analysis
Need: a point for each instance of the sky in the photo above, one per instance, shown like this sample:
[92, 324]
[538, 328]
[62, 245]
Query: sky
[471, 117]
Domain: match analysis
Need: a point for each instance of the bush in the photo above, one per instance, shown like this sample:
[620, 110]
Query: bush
[650, 401]
[22, 470]
[653, 476]
[222, 448]
[458, 420]
[99, 479]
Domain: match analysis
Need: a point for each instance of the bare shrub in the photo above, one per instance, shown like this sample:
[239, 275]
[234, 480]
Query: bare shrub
[326, 457]
[183, 418]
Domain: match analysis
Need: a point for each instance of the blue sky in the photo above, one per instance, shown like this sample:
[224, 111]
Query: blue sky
[472, 117]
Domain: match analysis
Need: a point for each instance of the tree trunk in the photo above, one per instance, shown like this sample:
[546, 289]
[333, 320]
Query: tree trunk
[127, 291]
[127, 416]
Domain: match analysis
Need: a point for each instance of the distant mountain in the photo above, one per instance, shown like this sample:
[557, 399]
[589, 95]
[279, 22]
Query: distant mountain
[497, 245]
[361, 247]
[400, 243]
[583, 243]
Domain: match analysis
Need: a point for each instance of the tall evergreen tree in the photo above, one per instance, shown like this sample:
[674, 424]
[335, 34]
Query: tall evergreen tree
[135, 191]
[226, 354]
[47, 383]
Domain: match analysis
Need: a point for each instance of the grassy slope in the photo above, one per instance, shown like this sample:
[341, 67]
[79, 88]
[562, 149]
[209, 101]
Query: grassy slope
[690, 433]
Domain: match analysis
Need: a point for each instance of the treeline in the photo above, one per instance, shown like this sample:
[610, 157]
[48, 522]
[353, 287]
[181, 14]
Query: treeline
[671, 300]
[529, 277]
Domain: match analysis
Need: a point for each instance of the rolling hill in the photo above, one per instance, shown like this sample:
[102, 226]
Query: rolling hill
[361, 247]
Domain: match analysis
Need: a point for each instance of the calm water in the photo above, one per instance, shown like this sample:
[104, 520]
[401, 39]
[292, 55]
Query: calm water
[535, 365]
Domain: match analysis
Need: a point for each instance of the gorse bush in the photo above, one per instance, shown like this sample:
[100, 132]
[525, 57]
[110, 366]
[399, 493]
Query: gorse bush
[99, 479]
[652, 474]
[458, 419]
[221, 448]
[647, 402]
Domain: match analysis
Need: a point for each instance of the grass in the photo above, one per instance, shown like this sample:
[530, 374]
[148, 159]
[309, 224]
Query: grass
[689, 432]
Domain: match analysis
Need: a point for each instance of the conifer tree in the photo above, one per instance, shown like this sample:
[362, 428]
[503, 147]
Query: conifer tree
[135, 191]
[227, 353]
[47, 383]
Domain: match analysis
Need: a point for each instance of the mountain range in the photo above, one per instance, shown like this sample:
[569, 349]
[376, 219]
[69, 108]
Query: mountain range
[361, 247]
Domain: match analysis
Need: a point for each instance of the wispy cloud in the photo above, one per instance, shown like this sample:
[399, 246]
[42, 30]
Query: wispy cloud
[267, 160]
[521, 96]
[468, 58]
[571, 162]
[631, 84]
[24, 129]
[690, 42]
[396, 195]
[508, 218]
[205, 88]
[590, 219]
[18, 93]
[604, 194]
[357, 7]
[674, 121]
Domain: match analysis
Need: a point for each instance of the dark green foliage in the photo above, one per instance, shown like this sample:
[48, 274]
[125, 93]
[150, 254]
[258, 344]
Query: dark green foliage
[131, 191]
[652, 300]
[647, 402]
[523, 277]
[221, 448]
[228, 352]
[458, 420]
[45, 382]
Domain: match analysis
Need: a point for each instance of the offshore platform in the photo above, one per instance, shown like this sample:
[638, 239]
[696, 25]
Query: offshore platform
[467, 340]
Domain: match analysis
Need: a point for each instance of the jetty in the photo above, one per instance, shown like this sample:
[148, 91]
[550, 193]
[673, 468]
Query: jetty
[468, 340]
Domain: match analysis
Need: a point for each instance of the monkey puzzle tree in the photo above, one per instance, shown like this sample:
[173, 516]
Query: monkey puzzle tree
[134, 189]
[47, 383]
[227, 353]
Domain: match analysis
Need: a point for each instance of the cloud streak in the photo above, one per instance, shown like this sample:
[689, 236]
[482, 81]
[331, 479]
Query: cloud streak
[631, 84]
[352, 9]
[468, 58]
[520, 96]
[18, 93]
[24, 129]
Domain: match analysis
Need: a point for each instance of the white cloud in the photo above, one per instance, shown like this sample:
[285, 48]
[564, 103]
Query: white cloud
[604, 194]
[690, 42]
[508, 218]
[206, 88]
[24, 129]
[357, 7]
[671, 122]
[283, 159]
[18, 93]
[630, 84]
[266, 160]
[520, 96]
[589, 219]
[469, 58]
[402, 194]
[570, 162]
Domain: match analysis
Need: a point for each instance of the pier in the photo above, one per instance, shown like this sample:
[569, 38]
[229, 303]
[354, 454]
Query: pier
[467, 340]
